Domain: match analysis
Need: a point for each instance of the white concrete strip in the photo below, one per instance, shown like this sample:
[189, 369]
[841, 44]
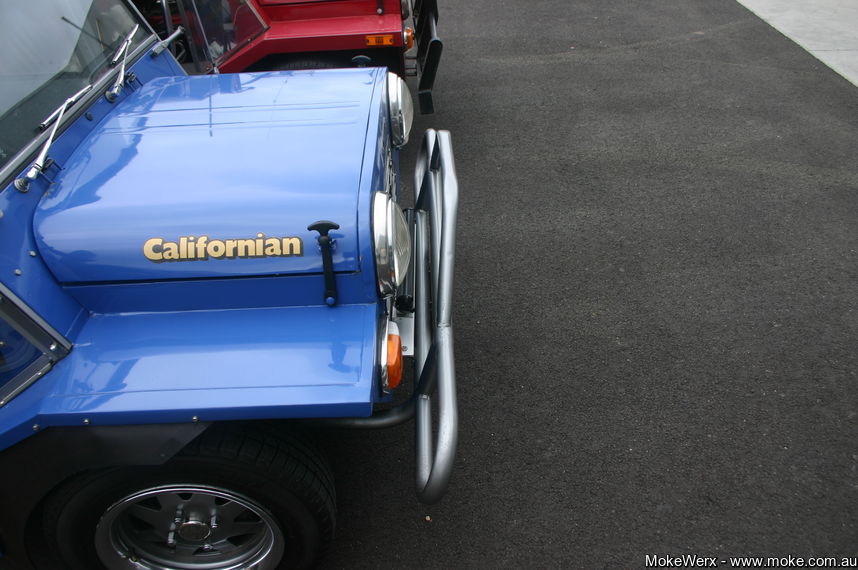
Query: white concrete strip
[828, 29]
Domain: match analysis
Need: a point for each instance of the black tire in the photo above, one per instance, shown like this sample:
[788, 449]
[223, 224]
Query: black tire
[235, 497]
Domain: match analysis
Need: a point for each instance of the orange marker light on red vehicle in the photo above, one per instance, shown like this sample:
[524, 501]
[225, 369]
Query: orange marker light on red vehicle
[408, 37]
[380, 40]
[394, 360]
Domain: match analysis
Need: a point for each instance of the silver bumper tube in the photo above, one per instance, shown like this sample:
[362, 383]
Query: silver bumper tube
[437, 204]
[434, 367]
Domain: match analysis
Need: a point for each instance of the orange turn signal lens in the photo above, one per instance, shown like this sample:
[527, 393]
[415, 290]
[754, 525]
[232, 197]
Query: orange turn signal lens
[408, 36]
[380, 40]
[394, 361]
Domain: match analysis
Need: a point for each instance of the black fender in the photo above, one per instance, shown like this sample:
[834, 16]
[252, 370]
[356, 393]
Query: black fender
[34, 466]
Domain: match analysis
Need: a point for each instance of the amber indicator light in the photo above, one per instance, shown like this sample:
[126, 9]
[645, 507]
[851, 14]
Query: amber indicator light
[394, 361]
[381, 40]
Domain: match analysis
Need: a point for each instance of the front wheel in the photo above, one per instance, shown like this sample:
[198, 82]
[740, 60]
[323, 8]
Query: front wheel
[245, 499]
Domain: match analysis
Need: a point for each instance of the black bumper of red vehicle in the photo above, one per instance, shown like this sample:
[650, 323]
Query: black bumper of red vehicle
[429, 49]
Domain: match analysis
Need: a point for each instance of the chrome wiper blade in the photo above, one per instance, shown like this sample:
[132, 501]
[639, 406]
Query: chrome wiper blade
[123, 47]
[114, 91]
[62, 108]
[23, 183]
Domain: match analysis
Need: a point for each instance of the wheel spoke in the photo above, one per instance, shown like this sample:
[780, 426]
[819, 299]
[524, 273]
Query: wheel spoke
[230, 511]
[149, 536]
[157, 519]
[206, 500]
[170, 501]
[186, 551]
[239, 528]
[191, 527]
[225, 547]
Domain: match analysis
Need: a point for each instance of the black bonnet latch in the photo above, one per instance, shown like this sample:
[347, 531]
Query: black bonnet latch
[326, 242]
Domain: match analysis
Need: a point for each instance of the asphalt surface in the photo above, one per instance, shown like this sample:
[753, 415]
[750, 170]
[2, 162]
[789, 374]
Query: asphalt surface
[656, 297]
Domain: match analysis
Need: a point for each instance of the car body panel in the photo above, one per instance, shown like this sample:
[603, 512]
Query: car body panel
[210, 365]
[253, 158]
[317, 34]
[150, 346]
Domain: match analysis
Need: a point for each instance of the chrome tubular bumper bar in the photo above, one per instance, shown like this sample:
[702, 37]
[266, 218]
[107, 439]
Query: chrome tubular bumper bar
[436, 204]
[434, 367]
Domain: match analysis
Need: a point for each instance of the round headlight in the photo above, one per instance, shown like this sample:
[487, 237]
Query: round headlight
[391, 241]
[401, 109]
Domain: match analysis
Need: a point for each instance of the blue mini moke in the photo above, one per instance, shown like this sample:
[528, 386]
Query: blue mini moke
[194, 271]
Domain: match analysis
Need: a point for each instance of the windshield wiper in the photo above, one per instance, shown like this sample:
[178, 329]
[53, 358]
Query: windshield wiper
[123, 47]
[81, 30]
[23, 183]
[165, 43]
[122, 53]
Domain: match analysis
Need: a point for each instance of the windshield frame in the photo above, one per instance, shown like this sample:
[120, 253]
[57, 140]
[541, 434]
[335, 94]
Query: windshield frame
[25, 156]
[197, 31]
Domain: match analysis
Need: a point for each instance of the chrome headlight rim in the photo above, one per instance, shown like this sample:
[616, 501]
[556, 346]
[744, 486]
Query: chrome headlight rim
[391, 243]
[401, 108]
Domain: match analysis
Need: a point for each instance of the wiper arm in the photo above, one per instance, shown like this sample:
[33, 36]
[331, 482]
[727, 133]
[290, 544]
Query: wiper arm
[23, 183]
[122, 53]
[123, 47]
[81, 30]
[165, 43]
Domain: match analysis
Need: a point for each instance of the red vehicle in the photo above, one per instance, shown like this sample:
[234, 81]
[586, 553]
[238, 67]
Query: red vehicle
[258, 35]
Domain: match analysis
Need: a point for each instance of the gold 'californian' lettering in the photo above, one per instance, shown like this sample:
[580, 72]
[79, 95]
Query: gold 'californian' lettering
[293, 245]
[153, 249]
[201, 248]
[246, 248]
